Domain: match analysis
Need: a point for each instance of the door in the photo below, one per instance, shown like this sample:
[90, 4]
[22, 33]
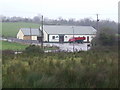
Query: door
[87, 38]
[39, 39]
[61, 38]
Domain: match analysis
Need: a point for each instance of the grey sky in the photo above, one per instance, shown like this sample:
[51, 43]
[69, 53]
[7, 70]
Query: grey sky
[78, 9]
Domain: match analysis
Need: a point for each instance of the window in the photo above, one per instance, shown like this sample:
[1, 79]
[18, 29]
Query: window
[56, 36]
[65, 36]
[53, 37]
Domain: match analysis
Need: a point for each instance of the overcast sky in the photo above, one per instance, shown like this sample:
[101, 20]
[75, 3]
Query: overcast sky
[78, 9]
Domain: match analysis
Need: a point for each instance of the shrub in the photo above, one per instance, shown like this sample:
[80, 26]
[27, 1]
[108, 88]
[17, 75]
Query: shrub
[6, 55]
[8, 52]
[34, 49]
[105, 37]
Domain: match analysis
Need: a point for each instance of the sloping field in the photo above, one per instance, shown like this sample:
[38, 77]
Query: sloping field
[10, 29]
[12, 46]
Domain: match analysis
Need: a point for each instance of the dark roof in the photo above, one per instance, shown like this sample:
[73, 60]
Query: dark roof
[54, 29]
[32, 31]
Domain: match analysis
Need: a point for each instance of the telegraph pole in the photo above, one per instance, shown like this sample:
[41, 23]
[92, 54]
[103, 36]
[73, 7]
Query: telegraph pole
[97, 22]
[30, 36]
[73, 38]
[42, 32]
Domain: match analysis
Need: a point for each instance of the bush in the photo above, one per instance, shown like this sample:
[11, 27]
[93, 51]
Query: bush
[105, 37]
[34, 49]
[8, 52]
[6, 55]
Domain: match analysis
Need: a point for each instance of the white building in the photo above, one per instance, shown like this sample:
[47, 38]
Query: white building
[64, 33]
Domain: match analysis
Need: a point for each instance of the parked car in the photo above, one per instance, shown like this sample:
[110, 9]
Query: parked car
[77, 39]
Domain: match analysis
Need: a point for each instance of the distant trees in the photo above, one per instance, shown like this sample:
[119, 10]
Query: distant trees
[37, 19]
[15, 19]
[61, 21]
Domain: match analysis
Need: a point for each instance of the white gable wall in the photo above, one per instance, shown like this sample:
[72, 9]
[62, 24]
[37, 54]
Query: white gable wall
[20, 35]
[45, 36]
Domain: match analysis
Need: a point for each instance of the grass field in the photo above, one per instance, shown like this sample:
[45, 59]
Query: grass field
[4, 45]
[11, 29]
[12, 46]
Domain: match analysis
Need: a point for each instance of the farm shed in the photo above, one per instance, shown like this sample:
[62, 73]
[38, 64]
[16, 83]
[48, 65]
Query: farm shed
[64, 33]
[29, 34]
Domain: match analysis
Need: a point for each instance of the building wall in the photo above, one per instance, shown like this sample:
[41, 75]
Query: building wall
[34, 37]
[27, 38]
[53, 40]
[45, 36]
[67, 37]
[20, 35]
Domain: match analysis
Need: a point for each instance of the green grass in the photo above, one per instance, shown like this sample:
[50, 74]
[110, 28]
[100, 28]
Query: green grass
[11, 29]
[51, 48]
[12, 46]
[4, 45]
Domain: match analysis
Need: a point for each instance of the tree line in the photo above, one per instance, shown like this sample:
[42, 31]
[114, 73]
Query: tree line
[60, 21]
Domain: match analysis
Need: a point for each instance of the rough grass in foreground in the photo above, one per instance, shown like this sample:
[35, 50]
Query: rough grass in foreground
[90, 69]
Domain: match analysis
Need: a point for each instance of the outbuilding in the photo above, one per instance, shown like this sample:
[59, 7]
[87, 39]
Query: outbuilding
[29, 34]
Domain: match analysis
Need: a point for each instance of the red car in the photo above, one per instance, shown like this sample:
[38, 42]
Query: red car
[77, 39]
